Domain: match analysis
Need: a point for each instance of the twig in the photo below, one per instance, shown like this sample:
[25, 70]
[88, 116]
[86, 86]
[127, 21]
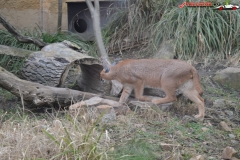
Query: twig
[18, 36]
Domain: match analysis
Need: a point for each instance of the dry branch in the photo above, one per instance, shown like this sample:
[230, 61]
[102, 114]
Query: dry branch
[12, 51]
[18, 36]
[39, 95]
[95, 14]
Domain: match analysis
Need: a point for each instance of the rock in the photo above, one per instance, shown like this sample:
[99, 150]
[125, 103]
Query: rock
[103, 109]
[187, 118]
[232, 136]
[229, 113]
[235, 142]
[225, 126]
[219, 103]
[144, 129]
[211, 158]
[166, 50]
[116, 88]
[228, 152]
[107, 112]
[199, 157]
[169, 147]
[166, 107]
[229, 77]
[205, 129]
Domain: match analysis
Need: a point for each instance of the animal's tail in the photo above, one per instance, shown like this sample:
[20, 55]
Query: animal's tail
[196, 81]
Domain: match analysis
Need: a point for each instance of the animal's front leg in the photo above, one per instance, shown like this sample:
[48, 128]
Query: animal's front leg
[125, 94]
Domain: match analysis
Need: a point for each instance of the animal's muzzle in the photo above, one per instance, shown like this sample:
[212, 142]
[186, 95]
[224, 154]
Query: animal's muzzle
[102, 80]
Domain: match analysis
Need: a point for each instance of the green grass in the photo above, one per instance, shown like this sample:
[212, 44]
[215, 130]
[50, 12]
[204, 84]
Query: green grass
[7, 39]
[135, 149]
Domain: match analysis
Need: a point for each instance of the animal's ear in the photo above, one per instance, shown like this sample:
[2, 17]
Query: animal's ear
[116, 61]
[106, 70]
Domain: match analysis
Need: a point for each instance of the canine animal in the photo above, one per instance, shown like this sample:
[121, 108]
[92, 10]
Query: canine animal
[168, 75]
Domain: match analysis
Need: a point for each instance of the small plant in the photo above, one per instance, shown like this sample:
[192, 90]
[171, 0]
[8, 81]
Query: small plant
[7, 39]
[83, 144]
[237, 133]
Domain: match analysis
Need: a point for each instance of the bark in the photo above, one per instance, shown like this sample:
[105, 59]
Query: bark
[13, 51]
[95, 14]
[39, 95]
[18, 36]
[59, 15]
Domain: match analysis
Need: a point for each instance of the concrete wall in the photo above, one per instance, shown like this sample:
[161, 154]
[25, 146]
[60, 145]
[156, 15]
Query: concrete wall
[27, 14]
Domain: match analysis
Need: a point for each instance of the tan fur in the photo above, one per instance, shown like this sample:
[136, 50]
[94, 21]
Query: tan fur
[169, 75]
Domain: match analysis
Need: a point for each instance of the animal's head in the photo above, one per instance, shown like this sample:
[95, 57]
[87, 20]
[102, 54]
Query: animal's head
[105, 74]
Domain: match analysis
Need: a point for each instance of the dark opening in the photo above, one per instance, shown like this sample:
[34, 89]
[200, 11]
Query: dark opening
[80, 25]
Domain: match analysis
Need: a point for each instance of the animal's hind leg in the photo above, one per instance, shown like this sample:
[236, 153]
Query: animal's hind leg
[193, 95]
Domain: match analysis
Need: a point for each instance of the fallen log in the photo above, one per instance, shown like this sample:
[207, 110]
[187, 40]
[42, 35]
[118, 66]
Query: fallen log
[39, 95]
[13, 51]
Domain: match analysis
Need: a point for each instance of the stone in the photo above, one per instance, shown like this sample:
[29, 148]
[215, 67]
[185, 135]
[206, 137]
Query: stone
[204, 129]
[199, 157]
[107, 112]
[228, 152]
[219, 103]
[169, 147]
[229, 113]
[103, 109]
[232, 136]
[225, 126]
[144, 129]
[116, 88]
[229, 77]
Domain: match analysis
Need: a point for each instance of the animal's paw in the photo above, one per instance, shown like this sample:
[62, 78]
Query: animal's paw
[155, 101]
[200, 117]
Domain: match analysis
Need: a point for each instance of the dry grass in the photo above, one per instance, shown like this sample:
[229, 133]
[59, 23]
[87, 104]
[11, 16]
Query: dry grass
[51, 137]
[136, 136]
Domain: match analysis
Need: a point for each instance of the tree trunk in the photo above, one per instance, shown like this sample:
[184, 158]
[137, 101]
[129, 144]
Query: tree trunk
[95, 14]
[59, 15]
[39, 95]
[13, 51]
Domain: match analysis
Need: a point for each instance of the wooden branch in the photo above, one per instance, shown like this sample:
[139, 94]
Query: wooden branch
[90, 6]
[97, 8]
[59, 28]
[95, 14]
[38, 94]
[13, 51]
[93, 102]
[18, 36]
